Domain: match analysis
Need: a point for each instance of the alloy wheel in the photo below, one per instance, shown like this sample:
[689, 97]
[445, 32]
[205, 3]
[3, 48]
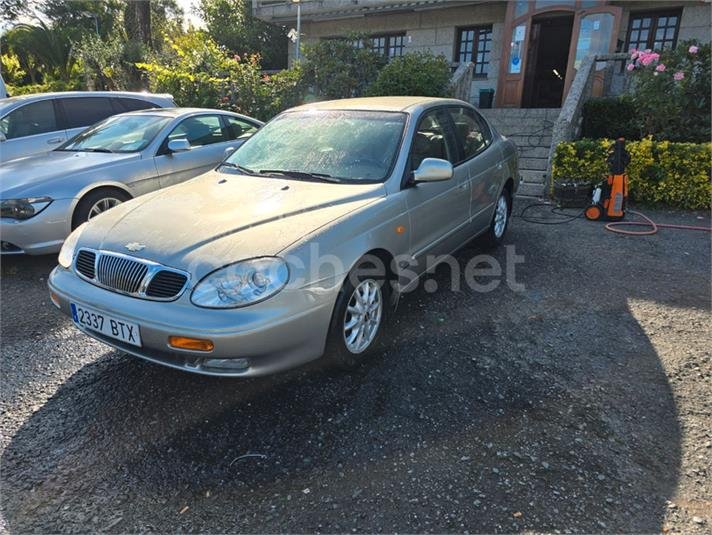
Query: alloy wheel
[500, 216]
[102, 205]
[363, 316]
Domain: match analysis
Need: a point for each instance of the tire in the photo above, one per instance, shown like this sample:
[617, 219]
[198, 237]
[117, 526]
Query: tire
[341, 348]
[92, 201]
[498, 228]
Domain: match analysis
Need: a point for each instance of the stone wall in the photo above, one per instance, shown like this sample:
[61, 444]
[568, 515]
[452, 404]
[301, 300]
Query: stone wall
[695, 23]
[432, 30]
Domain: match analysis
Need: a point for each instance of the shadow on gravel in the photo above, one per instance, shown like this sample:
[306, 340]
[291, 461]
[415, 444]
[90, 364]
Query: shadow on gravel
[500, 412]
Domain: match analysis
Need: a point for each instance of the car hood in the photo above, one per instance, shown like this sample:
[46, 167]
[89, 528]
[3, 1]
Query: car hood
[220, 218]
[34, 175]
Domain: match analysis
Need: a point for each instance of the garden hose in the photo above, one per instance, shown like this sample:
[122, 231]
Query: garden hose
[560, 217]
[647, 222]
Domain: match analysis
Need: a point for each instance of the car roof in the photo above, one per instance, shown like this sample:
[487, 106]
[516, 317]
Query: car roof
[177, 112]
[61, 94]
[402, 104]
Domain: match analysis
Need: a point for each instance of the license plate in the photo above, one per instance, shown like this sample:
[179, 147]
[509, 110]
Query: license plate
[88, 318]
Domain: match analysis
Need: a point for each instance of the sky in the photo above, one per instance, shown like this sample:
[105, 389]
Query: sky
[188, 7]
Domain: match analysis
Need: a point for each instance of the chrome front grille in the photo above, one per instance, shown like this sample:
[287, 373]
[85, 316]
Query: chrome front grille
[120, 273]
[125, 274]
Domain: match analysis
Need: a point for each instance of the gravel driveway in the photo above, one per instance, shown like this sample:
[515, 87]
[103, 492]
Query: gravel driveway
[580, 404]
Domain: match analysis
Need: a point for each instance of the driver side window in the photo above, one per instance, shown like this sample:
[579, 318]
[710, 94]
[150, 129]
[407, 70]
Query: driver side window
[199, 131]
[431, 140]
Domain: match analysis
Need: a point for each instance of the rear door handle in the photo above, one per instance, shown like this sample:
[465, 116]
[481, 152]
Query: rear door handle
[54, 140]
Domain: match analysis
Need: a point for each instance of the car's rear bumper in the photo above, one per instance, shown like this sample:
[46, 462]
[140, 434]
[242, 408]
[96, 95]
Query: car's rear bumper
[280, 333]
[41, 234]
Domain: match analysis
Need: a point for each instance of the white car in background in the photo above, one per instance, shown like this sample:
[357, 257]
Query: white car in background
[30, 124]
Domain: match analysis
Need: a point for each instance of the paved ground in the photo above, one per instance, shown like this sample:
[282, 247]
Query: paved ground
[581, 404]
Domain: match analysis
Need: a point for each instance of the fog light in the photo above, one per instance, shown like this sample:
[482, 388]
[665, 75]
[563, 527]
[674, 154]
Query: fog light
[55, 299]
[227, 364]
[193, 344]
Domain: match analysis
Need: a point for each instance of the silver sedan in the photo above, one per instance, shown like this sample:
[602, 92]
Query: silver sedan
[297, 244]
[44, 197]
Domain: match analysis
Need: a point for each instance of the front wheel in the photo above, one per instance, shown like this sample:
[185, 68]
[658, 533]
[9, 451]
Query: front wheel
[358, 317]
[500, 220]
[97, 202]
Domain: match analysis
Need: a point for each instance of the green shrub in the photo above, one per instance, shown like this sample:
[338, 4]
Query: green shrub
[610, 117]
[336, 68]
[676, 174]
[200, 73]
[49, 87]
[416, 73]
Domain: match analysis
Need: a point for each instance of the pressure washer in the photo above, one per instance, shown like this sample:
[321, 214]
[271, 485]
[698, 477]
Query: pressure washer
[610, 197]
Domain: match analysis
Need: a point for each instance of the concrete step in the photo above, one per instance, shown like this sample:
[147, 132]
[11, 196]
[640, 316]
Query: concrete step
[531, 190]
[535, 139]
[532, 176]
[533, 164]
[533, 152]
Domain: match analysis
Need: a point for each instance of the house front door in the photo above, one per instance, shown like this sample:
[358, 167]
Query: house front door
[522, 81]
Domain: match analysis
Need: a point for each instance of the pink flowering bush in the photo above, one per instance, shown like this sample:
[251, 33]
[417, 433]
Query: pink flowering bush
[671, 92]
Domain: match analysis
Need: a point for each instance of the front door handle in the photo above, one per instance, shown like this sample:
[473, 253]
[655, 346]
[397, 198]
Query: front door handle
[54, 140]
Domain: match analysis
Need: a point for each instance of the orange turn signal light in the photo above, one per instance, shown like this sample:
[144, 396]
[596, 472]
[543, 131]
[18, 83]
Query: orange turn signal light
[193, 344]
[55, 299]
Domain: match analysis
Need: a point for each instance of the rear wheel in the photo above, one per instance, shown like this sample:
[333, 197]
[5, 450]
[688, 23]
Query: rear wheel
[359, 315]
[96, 202]
[500, 220]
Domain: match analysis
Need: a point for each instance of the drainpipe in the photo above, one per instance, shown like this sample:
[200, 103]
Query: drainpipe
[299, 29]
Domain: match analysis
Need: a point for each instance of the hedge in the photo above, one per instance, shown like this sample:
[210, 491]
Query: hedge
[676, 174]
[610, 117]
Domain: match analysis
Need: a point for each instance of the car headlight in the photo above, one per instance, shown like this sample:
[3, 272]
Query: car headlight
[66, 254]
[241, 284]
[23, 208]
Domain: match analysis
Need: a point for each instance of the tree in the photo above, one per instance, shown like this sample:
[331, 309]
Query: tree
[137, 21]
[80, 17]
[42, 51]
[11, 10]
[231, 24]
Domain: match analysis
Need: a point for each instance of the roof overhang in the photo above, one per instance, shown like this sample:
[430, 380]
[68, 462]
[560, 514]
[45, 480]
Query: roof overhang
[317, 10]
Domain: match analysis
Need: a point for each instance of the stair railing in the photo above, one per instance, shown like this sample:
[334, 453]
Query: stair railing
[568, 125]
[461, 81]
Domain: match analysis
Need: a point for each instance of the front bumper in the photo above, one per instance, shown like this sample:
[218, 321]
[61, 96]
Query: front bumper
[41, 234]
[282, 332]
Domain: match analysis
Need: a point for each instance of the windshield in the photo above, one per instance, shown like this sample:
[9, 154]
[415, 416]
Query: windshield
[350, 146]
[124, 133]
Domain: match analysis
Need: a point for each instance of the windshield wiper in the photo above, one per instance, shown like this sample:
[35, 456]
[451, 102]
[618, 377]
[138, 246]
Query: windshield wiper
[240, 168]
[86, 150]
[301, 175]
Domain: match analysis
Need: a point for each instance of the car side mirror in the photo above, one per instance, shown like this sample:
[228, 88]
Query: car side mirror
[228, 152]
[178, 145]
[2, 137]
[433, 170]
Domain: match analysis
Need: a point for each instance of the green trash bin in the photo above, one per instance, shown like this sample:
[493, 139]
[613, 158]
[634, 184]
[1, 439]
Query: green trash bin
[486, 98]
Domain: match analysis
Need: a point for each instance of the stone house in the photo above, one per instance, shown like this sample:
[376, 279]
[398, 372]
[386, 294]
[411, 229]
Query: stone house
[529, 53]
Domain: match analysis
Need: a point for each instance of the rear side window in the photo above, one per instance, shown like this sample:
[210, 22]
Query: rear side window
[85, 111]
[201, 130]
[239, 129]
[29, 120]
[132, 104]
[472, 132]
